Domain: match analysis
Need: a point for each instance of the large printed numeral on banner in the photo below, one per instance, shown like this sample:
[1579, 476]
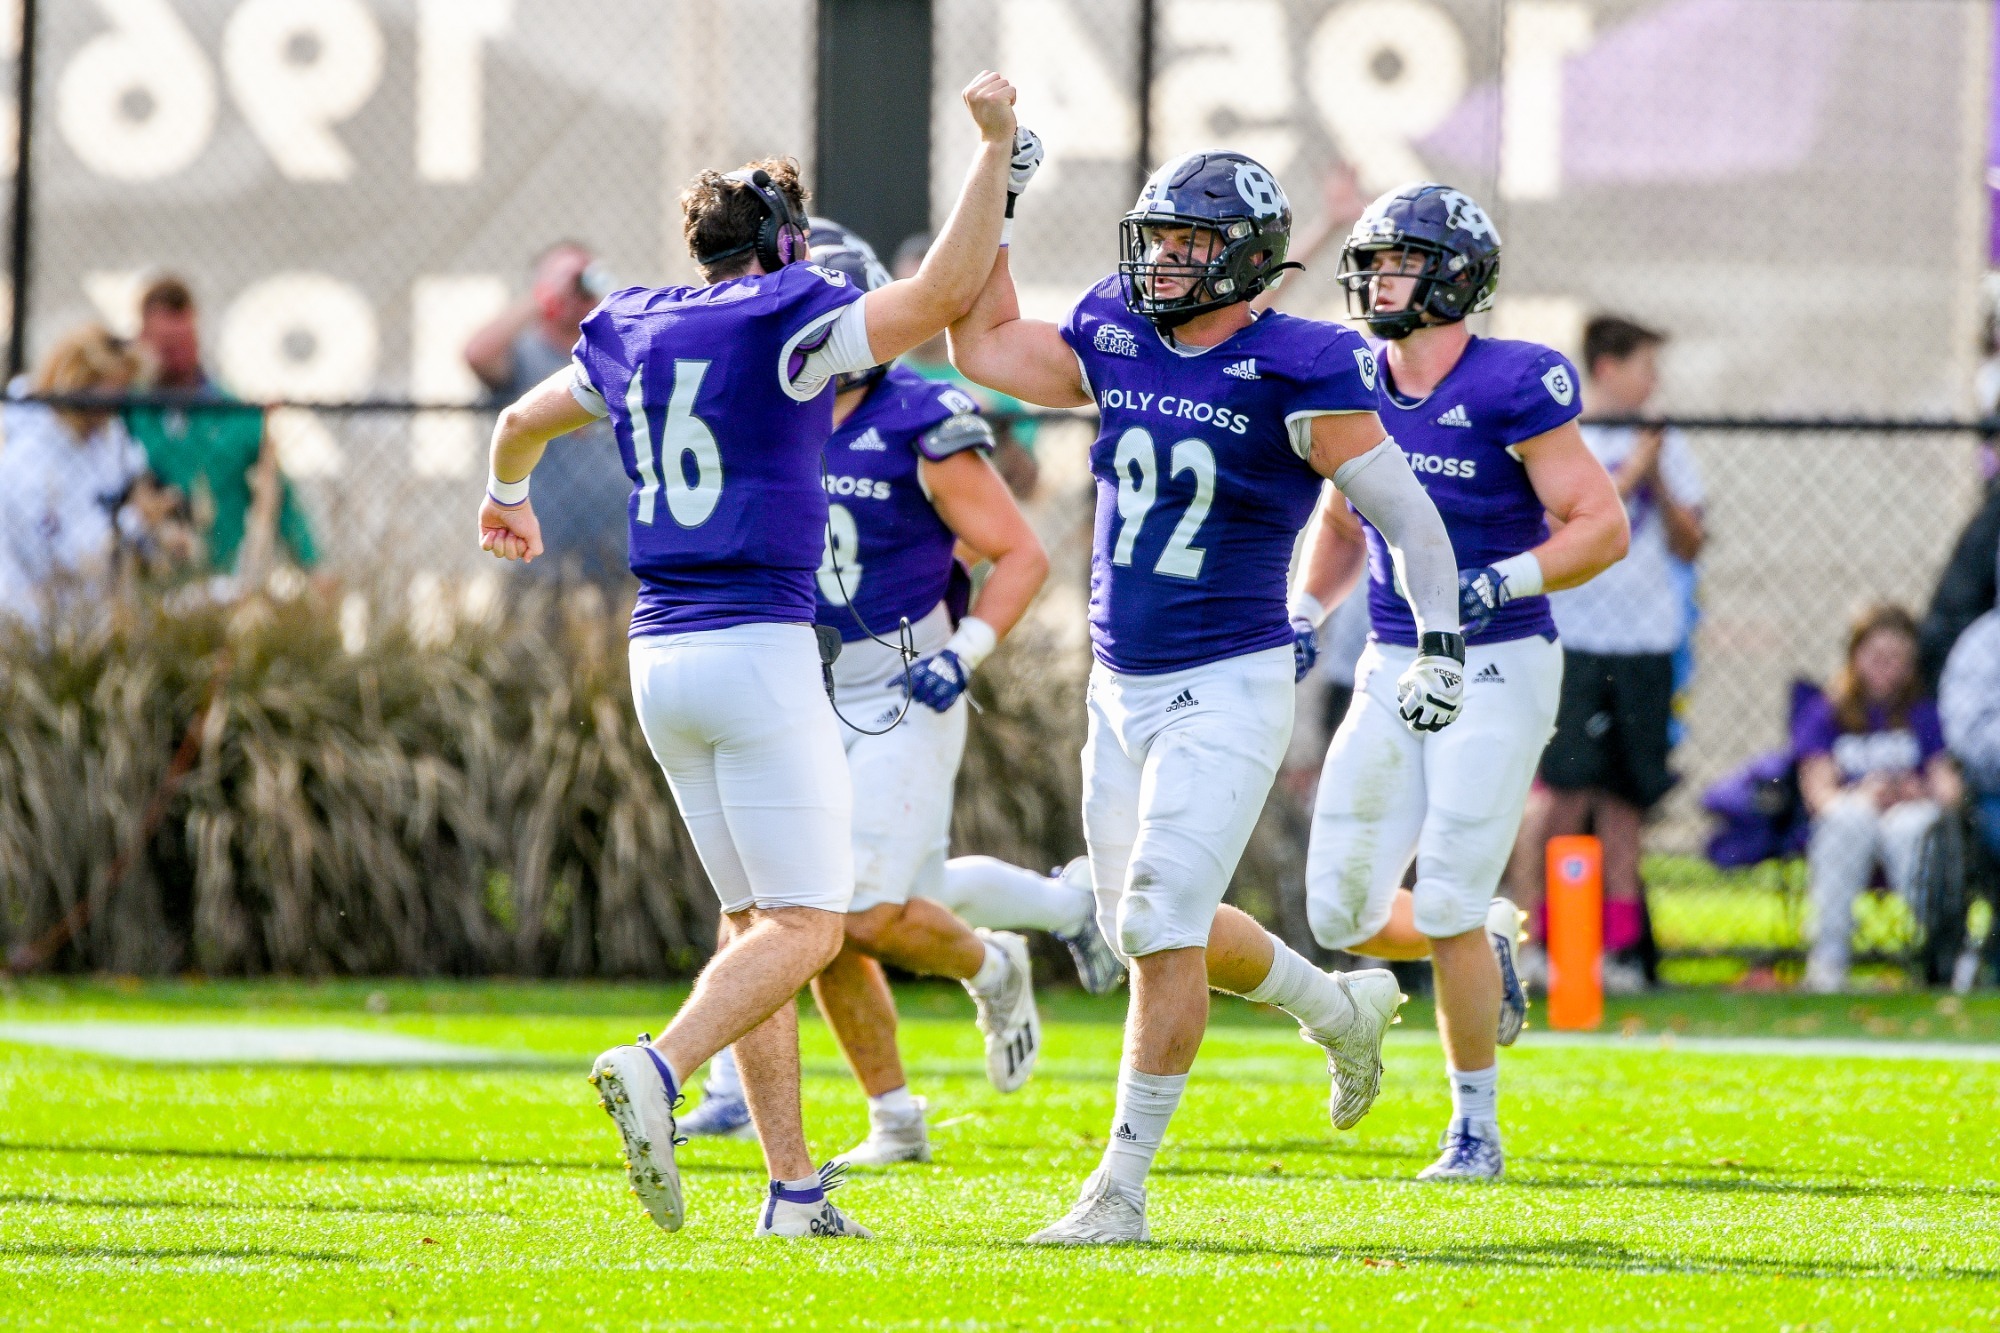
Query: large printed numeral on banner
[840, 562]
[1082, 111]
[1231, 86]
[304, 337]
[137, 102]
[686, 435]
[451, 84]
[1385, 73]
[1541, 34]
[297, 68]
[1138, 488]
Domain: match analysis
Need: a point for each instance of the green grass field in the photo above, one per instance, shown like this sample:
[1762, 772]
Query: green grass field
[1649, 1185]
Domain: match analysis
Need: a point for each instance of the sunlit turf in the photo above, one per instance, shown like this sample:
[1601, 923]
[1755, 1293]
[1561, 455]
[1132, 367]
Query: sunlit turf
[1647, 1188]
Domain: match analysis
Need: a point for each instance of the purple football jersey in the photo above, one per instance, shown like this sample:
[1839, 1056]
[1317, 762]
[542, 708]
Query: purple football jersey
[1200, 494]
[1460, 441]
[727, 511]
[888, 554]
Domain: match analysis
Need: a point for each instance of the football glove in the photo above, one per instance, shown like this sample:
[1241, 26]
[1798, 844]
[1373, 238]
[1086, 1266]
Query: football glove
[1305, 647]
[938, 680]
[1481, 593]
[1026, 162]
[1431, 693]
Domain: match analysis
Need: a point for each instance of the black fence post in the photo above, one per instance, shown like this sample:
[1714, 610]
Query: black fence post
[874, 124]
[24, 138]
[1148, 37]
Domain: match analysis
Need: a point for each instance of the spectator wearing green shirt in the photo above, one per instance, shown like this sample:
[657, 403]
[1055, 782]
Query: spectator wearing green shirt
[214, 449]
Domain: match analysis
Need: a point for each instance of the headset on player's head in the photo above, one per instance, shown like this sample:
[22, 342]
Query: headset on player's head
[780, 238]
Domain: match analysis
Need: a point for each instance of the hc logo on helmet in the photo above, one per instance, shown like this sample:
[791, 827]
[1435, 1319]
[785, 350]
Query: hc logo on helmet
[1258, 190]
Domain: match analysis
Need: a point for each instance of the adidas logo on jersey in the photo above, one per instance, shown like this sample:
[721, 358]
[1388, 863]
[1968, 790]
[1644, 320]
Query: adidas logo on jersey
[1113, 340]
[1455, 417]
[1244, 370]
[1185, 699]
[1489, 675]
[871, 439]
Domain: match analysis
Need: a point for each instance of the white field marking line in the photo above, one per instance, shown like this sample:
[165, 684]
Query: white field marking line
[1826, 1047]
[244, 1043]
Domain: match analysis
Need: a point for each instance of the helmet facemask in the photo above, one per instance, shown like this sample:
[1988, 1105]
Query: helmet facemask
[1212, 263]
[1444, 290]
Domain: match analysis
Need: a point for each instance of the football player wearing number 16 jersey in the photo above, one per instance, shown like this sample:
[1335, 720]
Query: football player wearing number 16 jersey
[1218, 430]
[721, 400]
[1491, 426]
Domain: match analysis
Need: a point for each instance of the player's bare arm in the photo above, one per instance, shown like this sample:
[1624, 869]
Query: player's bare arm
[1025, 358]
[507, 524]
[1574, 487]
[903, 314]
[979, 509]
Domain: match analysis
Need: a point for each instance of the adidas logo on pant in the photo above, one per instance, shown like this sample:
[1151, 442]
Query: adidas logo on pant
[1185, 699]
[1489, 675]
[1125, 1133]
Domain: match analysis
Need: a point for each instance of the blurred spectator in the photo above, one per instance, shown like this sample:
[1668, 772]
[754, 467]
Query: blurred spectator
[1014, 430]
[1966, 587]
[1969, 709]
[73, 482]
[1873, 775]
[581, 490]
[1607, 764]
[214, 451]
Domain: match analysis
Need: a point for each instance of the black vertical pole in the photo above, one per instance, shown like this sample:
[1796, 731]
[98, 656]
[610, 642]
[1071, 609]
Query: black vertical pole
[1148, 30]
[24, 138]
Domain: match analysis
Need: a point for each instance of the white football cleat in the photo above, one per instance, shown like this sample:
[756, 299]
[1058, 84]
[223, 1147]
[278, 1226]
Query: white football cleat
[631, 1083]
[1098, 966]
[1504, 931]
[1104, 1215]
[789, 1216]
[892, 1141]
[1012, 1028]
[1354, 1054]
[1471, 1152]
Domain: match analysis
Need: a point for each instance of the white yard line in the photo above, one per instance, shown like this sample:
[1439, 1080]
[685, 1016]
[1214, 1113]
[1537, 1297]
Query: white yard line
[1835, 1047]
[244, 1043]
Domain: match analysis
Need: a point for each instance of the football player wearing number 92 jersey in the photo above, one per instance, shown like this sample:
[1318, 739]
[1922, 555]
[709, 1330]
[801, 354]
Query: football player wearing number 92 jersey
[1491, 425]
[721, 398]
[1219, 429]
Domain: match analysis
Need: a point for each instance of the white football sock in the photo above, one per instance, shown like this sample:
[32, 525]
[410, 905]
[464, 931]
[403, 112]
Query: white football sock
[1303, 991]
[1146, 1103]
[991, 974]
[894, 1105]
[987, 892]
[1475, 1094]
[723, 1080]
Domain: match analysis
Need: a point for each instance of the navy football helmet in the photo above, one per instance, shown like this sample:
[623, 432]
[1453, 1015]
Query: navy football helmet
[837, 248]
[1456, 245]
[1238, 227]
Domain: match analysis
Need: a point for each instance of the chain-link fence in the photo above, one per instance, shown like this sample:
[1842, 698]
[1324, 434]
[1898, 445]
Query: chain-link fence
[1792, 189]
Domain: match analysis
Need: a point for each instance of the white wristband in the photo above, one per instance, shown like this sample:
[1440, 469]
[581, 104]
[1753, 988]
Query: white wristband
[1305, 606]
[1522, 574]
[973, 642]
[506, 493]
[1007, 232]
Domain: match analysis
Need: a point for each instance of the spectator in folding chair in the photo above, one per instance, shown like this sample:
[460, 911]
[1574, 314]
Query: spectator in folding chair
[1874, 778]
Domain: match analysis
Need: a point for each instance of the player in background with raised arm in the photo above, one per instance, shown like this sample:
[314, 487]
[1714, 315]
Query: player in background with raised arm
[1219, 429]
[721, 400]
[908, 478]
[1490, 427]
